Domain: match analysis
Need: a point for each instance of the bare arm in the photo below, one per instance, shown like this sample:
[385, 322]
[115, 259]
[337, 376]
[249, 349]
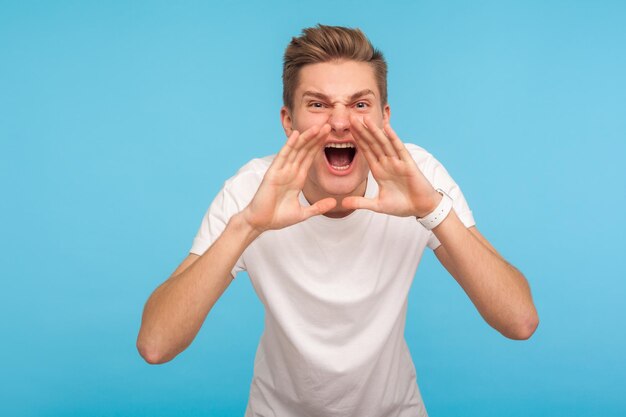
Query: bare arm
[498, 290]
[176, 310]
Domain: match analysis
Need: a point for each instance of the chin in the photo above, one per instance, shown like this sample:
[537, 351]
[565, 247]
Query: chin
[343, 186]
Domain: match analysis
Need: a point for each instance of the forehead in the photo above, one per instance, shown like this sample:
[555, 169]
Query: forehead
[337, 78]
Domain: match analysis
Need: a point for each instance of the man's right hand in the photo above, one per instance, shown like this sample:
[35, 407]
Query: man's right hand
[275, 204]
[176, 310]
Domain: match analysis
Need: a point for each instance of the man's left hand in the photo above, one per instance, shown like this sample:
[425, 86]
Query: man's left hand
[403, 189]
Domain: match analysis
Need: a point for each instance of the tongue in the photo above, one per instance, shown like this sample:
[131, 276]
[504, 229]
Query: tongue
[339, 157]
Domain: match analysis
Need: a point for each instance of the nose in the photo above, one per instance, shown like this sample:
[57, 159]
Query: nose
[339, 120]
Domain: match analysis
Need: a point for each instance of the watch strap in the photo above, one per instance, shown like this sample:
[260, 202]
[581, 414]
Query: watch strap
[439, 214]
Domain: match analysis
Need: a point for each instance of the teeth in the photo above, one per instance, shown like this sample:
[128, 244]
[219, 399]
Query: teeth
[341, 168]
[340, 145]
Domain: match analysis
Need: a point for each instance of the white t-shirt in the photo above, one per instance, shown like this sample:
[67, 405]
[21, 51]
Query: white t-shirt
[335, 296]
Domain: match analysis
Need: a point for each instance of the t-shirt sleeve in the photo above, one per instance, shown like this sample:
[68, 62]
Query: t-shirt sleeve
[234, 196]
[213, 224]
[439, 177]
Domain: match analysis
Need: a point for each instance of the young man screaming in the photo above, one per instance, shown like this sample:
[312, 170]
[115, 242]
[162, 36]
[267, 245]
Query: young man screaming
[331, 230]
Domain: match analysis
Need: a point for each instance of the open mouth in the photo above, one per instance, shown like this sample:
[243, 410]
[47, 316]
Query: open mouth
[340, 155]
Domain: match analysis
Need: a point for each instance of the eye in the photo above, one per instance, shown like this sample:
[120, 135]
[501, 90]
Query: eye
[316, 105]
[361, 105]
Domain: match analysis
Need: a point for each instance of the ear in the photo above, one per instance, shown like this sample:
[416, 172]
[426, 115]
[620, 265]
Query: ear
[286, 120]
[386, 113]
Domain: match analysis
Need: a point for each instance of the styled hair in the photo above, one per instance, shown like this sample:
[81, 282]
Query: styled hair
[330, 43]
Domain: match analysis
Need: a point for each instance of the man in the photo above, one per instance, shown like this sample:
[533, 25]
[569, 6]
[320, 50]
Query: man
[331, 231]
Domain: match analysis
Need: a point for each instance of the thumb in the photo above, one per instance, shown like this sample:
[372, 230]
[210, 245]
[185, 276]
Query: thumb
[319, 207]
[355, 203]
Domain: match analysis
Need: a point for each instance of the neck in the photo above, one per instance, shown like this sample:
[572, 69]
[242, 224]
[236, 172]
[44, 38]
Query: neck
[313, 195]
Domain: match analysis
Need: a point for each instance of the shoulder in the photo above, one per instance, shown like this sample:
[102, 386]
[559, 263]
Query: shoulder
[439, 177]
[417, 152]
[248, 178]
[421, 156]
[432, 169]
[253, 169]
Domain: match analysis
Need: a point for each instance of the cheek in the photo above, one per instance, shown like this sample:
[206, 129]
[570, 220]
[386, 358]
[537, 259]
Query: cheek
[359, 117]
[362, 162]
[320, 159]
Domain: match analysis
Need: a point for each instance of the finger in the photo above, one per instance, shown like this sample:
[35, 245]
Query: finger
[304, 165]
[318, 138]
[313, 138]
[302, 141]
[287, 150]
[355, 203]
[364, 147]
[370, 157]
[381, 138]
[319, 207]
[361, 132]
[396, 142]
[307, 155]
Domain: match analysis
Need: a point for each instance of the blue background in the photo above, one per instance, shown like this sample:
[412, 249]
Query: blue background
[120, 121]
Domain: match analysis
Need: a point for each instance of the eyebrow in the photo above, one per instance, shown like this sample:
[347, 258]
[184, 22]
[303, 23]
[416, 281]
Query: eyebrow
[324, 97]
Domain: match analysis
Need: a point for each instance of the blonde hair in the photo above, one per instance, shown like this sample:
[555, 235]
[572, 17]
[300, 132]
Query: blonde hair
[329, 43]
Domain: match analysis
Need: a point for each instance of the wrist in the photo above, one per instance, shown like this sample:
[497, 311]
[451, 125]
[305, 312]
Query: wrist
[439, 213]
[241, 222]
[433, 201]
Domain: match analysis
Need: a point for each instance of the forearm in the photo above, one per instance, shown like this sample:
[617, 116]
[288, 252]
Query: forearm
[498, 290]
[176, 310]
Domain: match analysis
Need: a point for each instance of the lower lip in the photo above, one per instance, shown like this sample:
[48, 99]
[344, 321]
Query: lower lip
[341, 172]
